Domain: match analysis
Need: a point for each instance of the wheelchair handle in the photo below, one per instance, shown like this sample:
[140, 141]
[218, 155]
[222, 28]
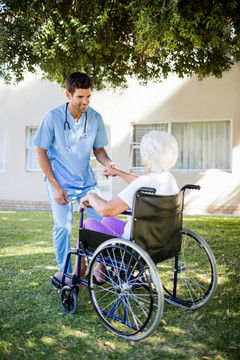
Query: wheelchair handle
[192, 187]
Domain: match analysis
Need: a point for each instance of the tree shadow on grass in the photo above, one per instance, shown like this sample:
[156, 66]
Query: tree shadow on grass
[33, 324]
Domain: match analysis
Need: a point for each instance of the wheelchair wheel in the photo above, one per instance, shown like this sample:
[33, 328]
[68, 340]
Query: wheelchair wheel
[130, 301]
[190, 279]
[69, 300]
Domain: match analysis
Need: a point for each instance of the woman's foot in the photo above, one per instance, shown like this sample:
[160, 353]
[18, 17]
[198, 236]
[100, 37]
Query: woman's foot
[67, 280]
[95, 282]
[99, 273]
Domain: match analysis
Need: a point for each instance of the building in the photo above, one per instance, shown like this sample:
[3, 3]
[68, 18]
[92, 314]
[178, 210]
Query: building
[204, 116]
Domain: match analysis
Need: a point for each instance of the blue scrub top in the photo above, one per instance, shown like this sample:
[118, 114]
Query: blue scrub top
[71, 167]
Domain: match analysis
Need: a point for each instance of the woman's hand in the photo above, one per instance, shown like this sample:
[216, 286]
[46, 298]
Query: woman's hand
[82, 205]
[110, 170]
[106, 172]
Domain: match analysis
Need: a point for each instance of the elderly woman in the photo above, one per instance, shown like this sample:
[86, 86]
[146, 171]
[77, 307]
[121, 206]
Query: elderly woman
[159, 153]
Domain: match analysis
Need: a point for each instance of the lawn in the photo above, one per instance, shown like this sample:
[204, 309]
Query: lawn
[34, 326]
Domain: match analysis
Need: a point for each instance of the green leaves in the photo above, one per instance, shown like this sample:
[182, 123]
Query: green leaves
[112, 40]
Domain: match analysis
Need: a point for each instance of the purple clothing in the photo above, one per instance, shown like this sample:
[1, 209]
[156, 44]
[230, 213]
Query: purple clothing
[108, 225]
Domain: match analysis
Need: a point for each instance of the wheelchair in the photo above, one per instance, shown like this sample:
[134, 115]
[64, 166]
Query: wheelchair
[163, 261]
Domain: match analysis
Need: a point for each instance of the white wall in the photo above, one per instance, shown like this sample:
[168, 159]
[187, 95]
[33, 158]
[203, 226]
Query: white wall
[181, 100]
[172, 100]
[21, 106]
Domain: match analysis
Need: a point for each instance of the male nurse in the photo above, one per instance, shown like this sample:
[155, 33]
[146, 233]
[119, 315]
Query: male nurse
[64, 142]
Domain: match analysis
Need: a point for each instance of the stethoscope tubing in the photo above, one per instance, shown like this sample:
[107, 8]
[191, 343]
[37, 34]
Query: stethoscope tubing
[67, 125]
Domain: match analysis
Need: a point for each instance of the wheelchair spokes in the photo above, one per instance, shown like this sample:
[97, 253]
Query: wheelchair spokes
[127, 291]
[127, 300]
[190, 279]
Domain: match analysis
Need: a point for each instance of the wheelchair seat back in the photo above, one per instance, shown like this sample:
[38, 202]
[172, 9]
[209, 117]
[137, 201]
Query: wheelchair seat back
[156, 223]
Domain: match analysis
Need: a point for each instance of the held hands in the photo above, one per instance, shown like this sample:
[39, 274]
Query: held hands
[110, 170]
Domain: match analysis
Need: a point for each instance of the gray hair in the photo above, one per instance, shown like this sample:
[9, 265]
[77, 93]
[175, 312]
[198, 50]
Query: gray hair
[159, 150]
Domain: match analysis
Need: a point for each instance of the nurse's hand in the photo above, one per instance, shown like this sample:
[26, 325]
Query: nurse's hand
[111, 164]
[60, 196]
[110, 170]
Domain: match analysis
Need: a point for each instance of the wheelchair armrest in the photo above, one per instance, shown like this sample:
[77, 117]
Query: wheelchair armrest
[127, 212]
[81, 213]
[87, 204]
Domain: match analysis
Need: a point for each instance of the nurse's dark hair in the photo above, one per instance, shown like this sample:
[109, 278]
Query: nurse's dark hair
[77, 80]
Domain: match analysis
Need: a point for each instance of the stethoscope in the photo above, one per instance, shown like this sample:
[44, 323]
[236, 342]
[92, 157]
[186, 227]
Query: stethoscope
[67, 129]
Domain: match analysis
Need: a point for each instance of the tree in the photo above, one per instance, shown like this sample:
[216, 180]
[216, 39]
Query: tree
[116, 39]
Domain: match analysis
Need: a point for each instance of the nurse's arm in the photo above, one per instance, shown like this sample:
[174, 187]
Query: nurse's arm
[105, 208]
[102, 157]
[60, 194]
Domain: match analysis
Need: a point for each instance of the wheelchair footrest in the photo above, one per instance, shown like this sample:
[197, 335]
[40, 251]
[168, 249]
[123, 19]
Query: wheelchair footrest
[56, 283]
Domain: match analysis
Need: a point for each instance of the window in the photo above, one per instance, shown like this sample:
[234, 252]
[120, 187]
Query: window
[201, 145]
[2, 151]
[138, 131]
[104, 184]
[31, 162]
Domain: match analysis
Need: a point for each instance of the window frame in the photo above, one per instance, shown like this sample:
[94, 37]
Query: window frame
[32, 148]
[136, 145]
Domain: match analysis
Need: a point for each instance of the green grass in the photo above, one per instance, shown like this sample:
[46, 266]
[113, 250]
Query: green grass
[34, 326]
